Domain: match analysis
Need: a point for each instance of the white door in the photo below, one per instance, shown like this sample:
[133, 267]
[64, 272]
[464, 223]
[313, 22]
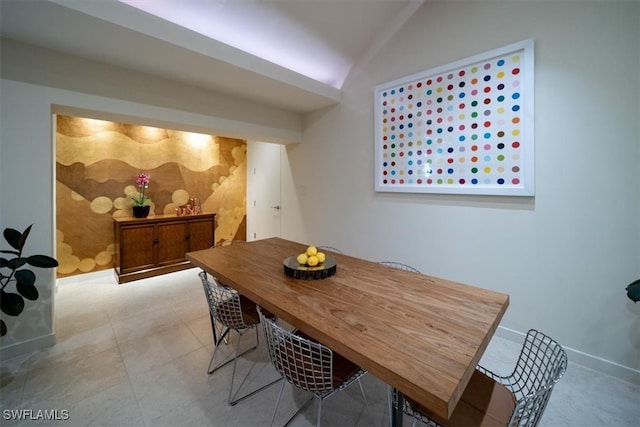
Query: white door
[263, 190]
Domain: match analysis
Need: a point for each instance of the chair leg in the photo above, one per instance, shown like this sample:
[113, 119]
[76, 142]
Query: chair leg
[319, 412]
[313, 396]
[214, 329]
[224, 338]
[366, 404]
[273, 417]
[216, 344]
[390, 404]
[235, 363]
[231, 400]
[217, 330]
[257, 337]
[397, 408]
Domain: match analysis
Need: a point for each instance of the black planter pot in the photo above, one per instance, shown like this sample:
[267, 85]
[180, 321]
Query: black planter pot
[141, 211]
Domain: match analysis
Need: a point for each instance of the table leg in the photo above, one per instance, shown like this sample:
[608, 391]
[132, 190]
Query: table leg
[398, 398]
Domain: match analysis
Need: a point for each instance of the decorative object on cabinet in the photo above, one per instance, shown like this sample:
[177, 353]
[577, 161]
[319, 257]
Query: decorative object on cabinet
[141, 211]
[140, 207]
[194, 207]
[12, 304]
[153, 246]
[143, 183]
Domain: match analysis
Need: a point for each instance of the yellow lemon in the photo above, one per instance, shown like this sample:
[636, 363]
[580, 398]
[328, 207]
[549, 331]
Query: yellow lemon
[321, 257]
[312, 261]
[302, 259]
[312, 250]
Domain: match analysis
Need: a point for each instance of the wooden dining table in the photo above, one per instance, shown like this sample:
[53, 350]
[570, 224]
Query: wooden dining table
[420, 334]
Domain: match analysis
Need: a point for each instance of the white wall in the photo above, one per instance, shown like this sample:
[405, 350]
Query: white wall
[152, 100]
[26, 197]
[564, 256]
[36, 83]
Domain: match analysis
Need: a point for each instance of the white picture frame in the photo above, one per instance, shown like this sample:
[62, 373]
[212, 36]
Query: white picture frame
[466, 127]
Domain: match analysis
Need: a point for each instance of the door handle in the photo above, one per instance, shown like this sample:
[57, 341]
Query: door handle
[276, 207]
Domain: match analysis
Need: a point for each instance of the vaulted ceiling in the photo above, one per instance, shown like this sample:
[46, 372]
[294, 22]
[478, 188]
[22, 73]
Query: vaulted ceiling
[292, 54]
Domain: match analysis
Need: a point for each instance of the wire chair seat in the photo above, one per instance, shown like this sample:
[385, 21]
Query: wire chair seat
[218, 329]
[308, 365]
[235, 313]
[518, 399]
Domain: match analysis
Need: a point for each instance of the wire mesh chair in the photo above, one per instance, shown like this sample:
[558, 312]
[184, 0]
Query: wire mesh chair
[308, 365]
[235, 313]
[518, 399]
[329, 249]
[399, 266]
[216, 327]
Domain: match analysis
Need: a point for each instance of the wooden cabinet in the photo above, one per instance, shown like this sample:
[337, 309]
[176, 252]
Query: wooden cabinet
[151, 246]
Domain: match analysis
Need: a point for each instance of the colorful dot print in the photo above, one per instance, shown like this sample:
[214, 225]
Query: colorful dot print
[461, 128]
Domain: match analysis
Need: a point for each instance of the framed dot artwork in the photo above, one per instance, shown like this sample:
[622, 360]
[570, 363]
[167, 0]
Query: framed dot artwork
[462, 128]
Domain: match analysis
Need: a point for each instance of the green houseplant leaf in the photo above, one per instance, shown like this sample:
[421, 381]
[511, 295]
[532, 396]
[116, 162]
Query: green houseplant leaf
[30, 292]
[26, 277]
[25, 284]
[633, 291]
[12, 237]
[12, 304]
[16, 263]
[15, 238]
[42, 261]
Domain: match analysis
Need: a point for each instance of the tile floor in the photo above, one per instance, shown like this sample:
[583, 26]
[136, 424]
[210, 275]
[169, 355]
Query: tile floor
[136, 355]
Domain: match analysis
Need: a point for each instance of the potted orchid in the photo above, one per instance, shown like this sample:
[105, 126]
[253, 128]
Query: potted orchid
[140, 206]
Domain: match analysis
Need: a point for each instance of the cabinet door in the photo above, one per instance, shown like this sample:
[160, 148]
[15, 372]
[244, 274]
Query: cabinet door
[171, 242]
[200, 234]
[136, 247]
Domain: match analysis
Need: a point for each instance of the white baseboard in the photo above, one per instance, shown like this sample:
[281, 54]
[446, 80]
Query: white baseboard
[86, 276]
[28, 346]
[621, 372]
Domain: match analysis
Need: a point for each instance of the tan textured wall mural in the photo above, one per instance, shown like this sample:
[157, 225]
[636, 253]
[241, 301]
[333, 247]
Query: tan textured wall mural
[97, 163]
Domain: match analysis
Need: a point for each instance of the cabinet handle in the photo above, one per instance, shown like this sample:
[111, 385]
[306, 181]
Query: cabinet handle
[187, 236]
[156, 241]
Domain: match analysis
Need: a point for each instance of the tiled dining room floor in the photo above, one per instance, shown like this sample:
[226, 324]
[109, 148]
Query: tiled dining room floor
[136, 355]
